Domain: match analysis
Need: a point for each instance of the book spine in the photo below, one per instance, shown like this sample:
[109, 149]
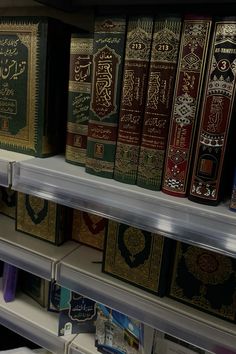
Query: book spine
[164, 54]
[190, 70]
[215, 115]
[232, 204]
[109, 42]
[79, 93]
[137, 56]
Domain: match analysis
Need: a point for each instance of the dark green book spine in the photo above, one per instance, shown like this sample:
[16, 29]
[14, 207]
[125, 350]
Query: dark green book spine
[79, 93]
[163, 63]
[135, 77]
[109, 38]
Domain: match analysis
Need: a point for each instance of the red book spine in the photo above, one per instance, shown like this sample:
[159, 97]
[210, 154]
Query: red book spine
[191, 62]
[215, 115]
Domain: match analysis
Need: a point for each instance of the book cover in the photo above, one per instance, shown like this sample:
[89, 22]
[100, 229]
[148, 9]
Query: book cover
[138, 257]
[108, 53]
[186, 99]
[79, 94]
[133, 98]
[161, 80]
[205, 280]
[77, 313]
[32, 85]
[216, 113]
[232, 204]
[34, 286]
[164, 343]
[9, 282]
[41, 218]
[89, 229]
[8, 201]
[116, 332]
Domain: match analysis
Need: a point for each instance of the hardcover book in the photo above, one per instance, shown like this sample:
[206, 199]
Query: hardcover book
[77, 313]
[88, 229]
[138, 257]
[41, 218]
[79, 93]
[32, 85]
[116, 332]
[9, 282]
[35, 287]
[186, 99]
[8, 201]
[108, 53]
[205, 280]
[132, 105]
[163, 62]
[216, 113]
[163, 343]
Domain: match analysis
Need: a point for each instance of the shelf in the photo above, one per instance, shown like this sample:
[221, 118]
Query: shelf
[81, 273]
[178, 218]
[83, 344]
[25, 317]
[29, 253]
[7, 158]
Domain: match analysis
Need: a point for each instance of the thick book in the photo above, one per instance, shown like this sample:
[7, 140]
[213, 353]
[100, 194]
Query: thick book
[138, 257]
[8, 201]
[215, 120]
[89, 229]
[186, 100]
[132, 105]
[205, 280]
[161, 80]
[79, 94]
[41, 218]
[33, 87]
[9, 282]
[108, 54]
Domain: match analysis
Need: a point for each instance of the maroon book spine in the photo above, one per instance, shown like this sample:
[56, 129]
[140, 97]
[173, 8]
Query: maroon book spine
[215, 115]
[190, 70]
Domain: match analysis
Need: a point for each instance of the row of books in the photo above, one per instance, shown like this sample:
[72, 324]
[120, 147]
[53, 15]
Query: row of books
[186, 273]
[135, 109]
[145, 109]
[113, 331]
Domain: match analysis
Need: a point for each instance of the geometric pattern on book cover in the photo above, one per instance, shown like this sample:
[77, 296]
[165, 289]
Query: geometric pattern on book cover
[190, 69]
[216, 114]
[164, 54]
[24, 86]
[39, 217]
[89, 229]
[132, 105]
[205, 280]
[8, 199]
[108, 53]
[133, 255]
[79, 90]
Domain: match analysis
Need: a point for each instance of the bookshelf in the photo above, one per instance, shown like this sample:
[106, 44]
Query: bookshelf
[53, 179]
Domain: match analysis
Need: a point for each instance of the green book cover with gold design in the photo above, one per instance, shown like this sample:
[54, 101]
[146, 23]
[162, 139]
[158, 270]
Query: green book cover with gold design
[41, 218]
[108, 53]
[79, 93]
[137, 256]
[33, 86]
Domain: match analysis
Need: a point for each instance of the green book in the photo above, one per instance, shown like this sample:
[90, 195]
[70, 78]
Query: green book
[79, 92]
[134, 87]
[109, 38]
[33, 85]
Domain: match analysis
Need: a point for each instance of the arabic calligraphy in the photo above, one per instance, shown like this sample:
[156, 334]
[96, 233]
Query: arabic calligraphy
[11, 69]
